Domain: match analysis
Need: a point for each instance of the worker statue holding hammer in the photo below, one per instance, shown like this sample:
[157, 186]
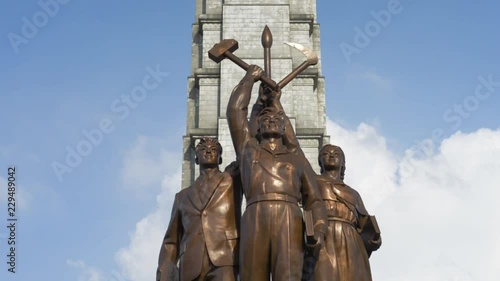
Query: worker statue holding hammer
[275, 177]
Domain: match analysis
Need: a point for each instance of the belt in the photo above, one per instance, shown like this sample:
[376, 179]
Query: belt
[341, 220]
[272, 197]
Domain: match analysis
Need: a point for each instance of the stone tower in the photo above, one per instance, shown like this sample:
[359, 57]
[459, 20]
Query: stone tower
[211, 84]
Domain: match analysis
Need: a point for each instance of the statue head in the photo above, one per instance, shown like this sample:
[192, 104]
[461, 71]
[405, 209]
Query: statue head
[208, 152]
[271, 122]
[331, 157]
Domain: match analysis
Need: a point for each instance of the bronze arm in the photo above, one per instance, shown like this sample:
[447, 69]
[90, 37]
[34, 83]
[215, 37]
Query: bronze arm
[311, 196]
[169, 251]
[237, 109]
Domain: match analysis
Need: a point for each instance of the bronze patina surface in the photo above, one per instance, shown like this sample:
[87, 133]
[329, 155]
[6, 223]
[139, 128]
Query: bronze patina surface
[273, 174]
[352, 233]
[275, 178]
[203, 231]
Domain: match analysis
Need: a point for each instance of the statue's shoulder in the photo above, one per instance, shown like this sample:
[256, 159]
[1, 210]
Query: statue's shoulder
[353, 191]
[328, 180]
[249, 147]
[253, 142]
[183, 192]
[233, 169]
[227, 177]
[357, 201]
[322, 179]
[346, 190]
[182, 196]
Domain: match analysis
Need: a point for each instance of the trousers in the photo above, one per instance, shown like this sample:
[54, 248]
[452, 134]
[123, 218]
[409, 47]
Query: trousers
[271, 242]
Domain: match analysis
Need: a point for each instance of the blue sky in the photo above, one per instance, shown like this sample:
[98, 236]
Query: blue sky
[65, 79]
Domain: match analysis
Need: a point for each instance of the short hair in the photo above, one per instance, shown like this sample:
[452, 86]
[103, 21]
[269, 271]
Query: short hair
[208, 141]
[266, 111]
[342, 170]
[269, 110]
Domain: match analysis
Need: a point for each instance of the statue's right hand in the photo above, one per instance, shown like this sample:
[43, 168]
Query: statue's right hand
[315, 243]
[255, 72]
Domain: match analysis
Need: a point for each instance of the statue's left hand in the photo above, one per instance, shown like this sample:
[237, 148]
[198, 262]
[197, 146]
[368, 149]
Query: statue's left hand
[267, 95]
[254, 72]
[374, 244]
[319, 239]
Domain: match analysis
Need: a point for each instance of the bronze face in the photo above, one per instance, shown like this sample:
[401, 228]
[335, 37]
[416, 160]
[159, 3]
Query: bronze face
[331, 157]
[208, 153]
[271, 124]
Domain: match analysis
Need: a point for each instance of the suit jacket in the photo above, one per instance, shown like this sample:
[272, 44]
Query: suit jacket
[203, 215]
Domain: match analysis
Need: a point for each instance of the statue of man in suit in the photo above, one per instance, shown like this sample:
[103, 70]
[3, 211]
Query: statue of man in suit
[275, 177]
[203, 231]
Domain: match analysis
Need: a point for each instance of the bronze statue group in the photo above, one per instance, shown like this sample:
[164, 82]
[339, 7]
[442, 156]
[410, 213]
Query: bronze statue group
[297, 225]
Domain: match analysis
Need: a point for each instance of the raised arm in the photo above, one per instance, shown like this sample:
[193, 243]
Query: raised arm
[237, 109]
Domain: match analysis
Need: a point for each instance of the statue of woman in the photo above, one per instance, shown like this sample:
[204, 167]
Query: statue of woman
[352, 233]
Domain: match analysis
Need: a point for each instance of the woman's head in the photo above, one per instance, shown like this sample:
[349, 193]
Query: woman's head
[331, 157]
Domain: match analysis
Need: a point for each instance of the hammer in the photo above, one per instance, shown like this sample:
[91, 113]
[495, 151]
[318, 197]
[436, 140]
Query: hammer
[225, 49]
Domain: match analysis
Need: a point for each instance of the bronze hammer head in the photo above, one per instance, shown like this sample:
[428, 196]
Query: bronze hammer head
[217, 53]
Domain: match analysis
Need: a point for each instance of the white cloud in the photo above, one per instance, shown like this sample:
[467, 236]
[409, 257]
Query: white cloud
[138, 261]
[87, 273]
[438, 221]
[379, 81]
[370, 165]
[147, 163]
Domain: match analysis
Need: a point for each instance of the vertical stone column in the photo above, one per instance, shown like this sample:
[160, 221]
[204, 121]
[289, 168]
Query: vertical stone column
[210, 85]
